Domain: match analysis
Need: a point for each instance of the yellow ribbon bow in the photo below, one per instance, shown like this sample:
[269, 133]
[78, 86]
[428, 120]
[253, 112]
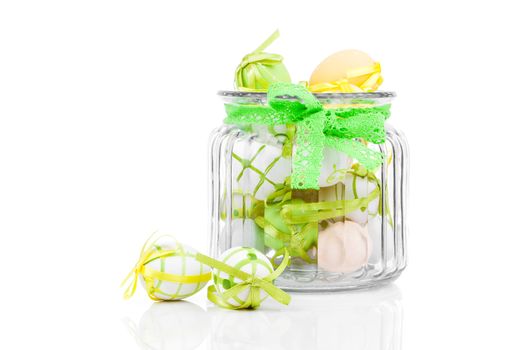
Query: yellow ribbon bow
[343, 85]
[255, 284]
[150, 253]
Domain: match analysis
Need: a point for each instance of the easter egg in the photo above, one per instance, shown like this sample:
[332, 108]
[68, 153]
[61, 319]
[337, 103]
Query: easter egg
[179, 264]
[354, 187]
[360, 187]
[343, 247]
[334, 167]
[245, 232]
[353, 69]
[249, 260]
[258, 167]
[259, 69]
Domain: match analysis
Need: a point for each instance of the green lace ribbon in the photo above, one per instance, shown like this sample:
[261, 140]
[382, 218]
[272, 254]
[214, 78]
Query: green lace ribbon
[316, 128]
[253, 283]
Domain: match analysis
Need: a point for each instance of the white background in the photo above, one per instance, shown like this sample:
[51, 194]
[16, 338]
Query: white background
[105, 111]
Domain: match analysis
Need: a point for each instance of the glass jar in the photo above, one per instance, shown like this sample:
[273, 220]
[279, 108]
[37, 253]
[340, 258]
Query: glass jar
[359, 240]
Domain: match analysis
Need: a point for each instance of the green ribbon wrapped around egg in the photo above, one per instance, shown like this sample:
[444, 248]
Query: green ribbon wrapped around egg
[243, 278]
[259, 69]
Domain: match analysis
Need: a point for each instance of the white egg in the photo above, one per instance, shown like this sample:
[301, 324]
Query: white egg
[354, 187]
[249, 260]
[257, 167]
[181, 263]
[274, 135]
[360, 187]
[334, 167]
[246, 233]
[343, 247]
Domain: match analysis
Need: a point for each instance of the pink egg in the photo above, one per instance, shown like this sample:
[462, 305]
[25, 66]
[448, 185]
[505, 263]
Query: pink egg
[343, 247]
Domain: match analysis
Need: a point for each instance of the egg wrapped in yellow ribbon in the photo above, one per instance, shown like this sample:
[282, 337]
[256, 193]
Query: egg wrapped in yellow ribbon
[346, 71]
[168, 270]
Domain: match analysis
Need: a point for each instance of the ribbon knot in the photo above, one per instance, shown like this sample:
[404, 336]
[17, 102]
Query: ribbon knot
[254, 283]
[316, 128]
[148, 253]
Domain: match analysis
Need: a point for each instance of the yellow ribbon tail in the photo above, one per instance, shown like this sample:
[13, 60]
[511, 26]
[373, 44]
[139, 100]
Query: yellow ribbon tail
[146, 255]
[132, 286]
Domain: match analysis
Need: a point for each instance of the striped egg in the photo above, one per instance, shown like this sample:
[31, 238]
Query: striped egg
[354, 187]
[249, 260]
[181, 263]
[258, 168]
[360, 187]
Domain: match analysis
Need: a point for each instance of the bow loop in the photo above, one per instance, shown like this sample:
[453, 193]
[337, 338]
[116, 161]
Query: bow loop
[293, 100]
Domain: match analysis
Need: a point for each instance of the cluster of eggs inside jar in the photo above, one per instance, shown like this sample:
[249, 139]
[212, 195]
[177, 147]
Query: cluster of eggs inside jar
[260, 166]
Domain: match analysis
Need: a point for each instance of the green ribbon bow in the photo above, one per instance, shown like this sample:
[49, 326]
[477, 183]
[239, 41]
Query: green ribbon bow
[255, 284]
[316, 128]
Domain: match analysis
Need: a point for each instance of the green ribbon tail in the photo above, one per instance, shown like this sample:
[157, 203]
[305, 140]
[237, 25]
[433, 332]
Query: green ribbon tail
[301, 213]
[308, 156]
[369, 158]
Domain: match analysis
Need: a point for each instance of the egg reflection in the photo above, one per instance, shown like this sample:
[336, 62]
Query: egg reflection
[364, 320]
[179, 325]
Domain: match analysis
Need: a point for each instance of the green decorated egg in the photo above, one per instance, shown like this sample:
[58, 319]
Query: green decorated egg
[259, 69]
[248, 260]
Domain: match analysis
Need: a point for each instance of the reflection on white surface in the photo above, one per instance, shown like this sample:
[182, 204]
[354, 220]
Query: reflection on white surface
[172, 325]
[365, 320]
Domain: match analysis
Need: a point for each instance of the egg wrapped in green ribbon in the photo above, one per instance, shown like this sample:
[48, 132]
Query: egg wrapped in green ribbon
[248, 260]
[259, 69]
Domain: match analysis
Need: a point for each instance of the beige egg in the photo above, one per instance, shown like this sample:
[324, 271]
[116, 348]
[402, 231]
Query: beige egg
[343, 247]
[336, 66]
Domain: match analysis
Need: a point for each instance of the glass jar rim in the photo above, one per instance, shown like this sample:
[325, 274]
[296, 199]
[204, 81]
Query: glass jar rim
[377, 97]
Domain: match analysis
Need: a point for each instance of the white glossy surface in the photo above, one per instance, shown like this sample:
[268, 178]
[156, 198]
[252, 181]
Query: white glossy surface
[366, 320]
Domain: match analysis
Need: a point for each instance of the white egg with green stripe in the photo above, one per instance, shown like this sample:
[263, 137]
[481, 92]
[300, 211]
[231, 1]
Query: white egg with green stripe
[248, 260]
[258, 168]
[355, 187]
[177, 274]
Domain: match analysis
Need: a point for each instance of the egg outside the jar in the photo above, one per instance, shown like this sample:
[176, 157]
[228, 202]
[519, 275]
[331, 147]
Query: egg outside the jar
[343, 247]
[248, 260]
[181, 263]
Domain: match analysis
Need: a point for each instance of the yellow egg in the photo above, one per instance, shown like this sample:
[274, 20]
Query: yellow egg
[346, 71]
